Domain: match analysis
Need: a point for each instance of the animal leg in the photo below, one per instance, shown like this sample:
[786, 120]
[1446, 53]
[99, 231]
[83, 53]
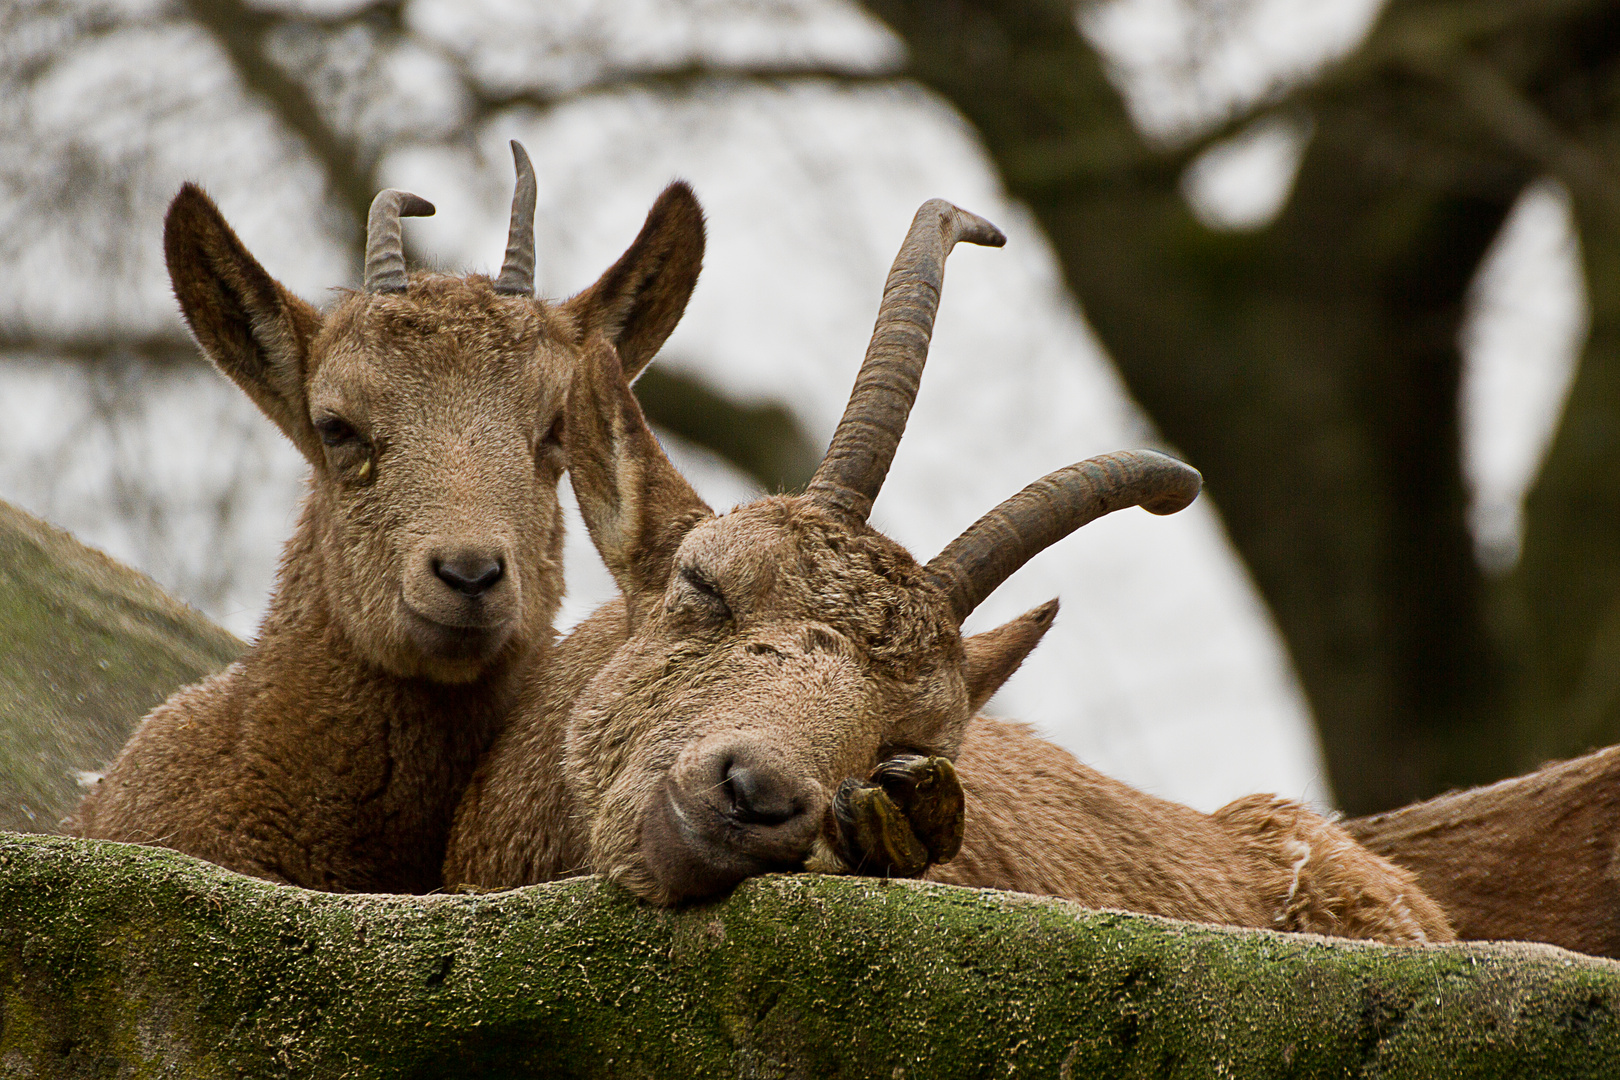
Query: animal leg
[906, 816]
[1319, 880]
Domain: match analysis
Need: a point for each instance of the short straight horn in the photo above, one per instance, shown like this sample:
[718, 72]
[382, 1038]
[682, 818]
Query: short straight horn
[862, 448]
[994, 547]
[385, 248]
[517, 272]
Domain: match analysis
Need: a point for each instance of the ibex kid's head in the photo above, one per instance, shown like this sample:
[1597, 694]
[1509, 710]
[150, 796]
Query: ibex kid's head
[428, 407]
[787, 645]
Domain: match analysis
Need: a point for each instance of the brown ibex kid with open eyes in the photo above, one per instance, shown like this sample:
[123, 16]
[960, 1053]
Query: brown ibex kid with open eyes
[703, 728]
[423, 577]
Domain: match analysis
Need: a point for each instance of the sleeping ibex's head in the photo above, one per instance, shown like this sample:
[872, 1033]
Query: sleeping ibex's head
[787, 645]
[429, 408]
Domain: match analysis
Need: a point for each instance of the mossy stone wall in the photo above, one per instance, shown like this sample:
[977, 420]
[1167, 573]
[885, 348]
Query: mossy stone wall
[126, 961]
[121, 961]
[87, 647]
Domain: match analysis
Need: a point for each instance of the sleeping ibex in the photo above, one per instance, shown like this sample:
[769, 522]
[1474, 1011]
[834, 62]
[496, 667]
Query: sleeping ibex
[423, 576]
[1534, 858]
[704, 728]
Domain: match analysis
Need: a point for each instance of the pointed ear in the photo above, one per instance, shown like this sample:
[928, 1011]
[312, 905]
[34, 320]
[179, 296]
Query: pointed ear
[251, 327]
[994, 655]
[637, 507]
[637, 303]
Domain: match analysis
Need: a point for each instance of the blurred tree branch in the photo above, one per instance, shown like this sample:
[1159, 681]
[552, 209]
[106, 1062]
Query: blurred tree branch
[1311, 368]
[1518, 123]
[683, 78]
[152, 348]
[243, 32]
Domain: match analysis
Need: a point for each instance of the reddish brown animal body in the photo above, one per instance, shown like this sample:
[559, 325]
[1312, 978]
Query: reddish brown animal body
[1534, 858]
[420, 586]
[705, 728]
[1039, 821]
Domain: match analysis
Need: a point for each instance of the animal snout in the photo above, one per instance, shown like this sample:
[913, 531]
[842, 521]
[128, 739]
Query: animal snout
[760, 794]
[460, 582]
[732, 807]
[465, 596]
[469, 571]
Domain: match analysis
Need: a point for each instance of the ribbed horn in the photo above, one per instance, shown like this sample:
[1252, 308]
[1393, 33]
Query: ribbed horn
[385, 248]
[517, 272]
[862, 448]
[993, 548]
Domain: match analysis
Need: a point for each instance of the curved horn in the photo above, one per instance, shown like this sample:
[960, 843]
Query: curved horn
[995, 546]
[517, 272]
[385, 248]
[858, 457]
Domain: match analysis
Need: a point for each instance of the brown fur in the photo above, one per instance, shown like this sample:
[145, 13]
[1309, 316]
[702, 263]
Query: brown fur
[1535, 858]
[332, 755]
[805, 645]
[518, 822]
[1040, 821]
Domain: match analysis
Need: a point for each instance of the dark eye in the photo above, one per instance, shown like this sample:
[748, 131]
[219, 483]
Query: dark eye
[550, 445]
[335, 431]
[707, 590]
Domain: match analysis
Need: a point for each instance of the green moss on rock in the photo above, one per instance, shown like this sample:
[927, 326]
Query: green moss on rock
[134, 962]
[89, 646]
[119, 960]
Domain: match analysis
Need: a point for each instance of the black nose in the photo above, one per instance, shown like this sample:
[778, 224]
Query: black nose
[759, 796]
[469, 573]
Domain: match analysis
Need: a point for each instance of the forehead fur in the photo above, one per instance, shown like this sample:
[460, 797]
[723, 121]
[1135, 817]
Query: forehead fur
[467, 309]
[801, 561]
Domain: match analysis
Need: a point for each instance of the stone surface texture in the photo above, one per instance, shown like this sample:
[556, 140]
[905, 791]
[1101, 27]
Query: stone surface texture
[127, 961]
[87, 647]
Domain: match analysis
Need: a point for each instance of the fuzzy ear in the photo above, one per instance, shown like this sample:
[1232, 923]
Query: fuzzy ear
[637, 507]
[994, 655]
[637, 303]
[251, 327]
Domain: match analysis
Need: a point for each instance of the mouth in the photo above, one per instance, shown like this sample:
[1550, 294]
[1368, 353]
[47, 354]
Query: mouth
[696, 849]
[471, 639]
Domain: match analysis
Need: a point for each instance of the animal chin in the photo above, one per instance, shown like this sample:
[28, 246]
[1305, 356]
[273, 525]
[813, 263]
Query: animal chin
[457, 642]
[695, 850]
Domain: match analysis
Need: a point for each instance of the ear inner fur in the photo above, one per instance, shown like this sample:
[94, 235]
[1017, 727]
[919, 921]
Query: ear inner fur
[994, 655]
[635, 504]
[640, 298]
[252, 328]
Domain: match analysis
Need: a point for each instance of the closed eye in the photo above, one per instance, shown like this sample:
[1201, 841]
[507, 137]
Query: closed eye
[707, 589]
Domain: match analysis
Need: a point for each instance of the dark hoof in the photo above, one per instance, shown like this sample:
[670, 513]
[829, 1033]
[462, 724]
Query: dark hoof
[905, 817]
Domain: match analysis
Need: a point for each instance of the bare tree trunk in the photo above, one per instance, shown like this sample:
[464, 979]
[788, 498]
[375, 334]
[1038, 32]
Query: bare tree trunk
[1310, 369]
[1563, 599]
